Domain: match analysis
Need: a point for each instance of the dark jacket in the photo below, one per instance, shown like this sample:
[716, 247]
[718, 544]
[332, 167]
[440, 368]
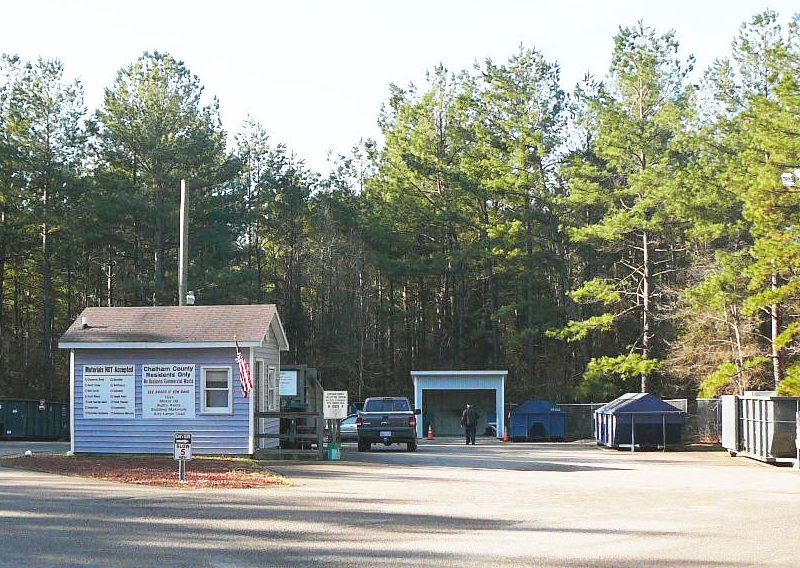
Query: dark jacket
[469, 417]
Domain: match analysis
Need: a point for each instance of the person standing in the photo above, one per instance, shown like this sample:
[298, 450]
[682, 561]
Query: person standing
[469, 420]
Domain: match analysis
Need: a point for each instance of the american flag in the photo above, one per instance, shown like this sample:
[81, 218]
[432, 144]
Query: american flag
[244, 371]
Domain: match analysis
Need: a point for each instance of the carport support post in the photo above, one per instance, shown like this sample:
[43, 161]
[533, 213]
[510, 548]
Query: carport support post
[663, 433]
[633, 430]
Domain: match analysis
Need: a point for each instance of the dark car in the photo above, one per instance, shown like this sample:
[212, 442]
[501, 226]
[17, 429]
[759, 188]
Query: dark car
[387, 420]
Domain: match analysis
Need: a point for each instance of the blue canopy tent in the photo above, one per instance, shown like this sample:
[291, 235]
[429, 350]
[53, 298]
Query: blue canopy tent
[638, 420]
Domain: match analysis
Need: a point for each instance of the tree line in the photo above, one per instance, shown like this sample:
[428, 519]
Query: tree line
[634, 233]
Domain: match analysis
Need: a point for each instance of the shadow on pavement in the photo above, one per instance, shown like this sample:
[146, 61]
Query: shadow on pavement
[79, 527]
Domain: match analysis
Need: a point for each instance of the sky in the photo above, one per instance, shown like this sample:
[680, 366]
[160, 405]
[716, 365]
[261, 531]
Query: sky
[315, 73]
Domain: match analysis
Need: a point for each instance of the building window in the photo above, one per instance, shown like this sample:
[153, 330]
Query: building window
[216, 391]
[272, 388]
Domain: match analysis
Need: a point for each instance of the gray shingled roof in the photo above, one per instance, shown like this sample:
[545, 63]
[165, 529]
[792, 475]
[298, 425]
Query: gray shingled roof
[173, 324]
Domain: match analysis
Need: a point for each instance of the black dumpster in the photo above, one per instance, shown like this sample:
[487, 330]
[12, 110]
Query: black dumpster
[33, 420]
[638, 420]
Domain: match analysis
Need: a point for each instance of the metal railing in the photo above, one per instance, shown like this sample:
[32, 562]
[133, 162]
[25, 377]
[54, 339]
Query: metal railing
[303, 435]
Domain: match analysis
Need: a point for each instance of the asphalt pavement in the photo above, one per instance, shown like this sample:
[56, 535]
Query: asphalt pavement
[14, 448]
[554, 505]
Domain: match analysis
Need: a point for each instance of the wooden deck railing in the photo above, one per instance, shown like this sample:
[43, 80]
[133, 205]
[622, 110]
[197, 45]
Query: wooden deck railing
[312, 433]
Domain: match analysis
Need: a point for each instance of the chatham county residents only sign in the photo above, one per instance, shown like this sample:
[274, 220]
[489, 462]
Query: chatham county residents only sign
[168, 390]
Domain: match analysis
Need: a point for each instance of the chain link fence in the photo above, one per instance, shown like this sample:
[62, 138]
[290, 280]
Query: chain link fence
[703, 419]
[580, 420]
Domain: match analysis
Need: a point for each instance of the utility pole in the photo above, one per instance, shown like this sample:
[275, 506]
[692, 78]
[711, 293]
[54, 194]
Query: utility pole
[183, 255]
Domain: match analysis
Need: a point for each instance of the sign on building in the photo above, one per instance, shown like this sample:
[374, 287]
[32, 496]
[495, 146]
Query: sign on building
[168, 390]
[288, 383]
[109, 391]
[334, 404]
[182, 446]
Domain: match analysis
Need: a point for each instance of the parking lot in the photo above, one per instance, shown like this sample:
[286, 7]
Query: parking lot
[494, 504]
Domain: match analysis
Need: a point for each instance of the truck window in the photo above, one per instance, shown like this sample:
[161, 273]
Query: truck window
[389, 405]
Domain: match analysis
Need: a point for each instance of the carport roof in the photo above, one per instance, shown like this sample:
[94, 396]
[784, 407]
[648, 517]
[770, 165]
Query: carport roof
[634, 402]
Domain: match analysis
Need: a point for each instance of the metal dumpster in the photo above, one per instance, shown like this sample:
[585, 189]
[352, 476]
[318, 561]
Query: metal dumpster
[33, 420]
[638, 420]
[537, 420]
[760, 425]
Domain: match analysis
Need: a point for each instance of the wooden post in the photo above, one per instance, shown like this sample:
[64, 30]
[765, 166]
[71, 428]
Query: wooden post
[183, 255]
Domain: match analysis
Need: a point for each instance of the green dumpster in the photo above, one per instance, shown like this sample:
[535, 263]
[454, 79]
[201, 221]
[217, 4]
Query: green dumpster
[33, 420]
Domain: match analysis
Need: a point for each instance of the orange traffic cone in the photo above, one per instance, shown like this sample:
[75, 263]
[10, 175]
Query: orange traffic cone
[430, 432]
[505, 436]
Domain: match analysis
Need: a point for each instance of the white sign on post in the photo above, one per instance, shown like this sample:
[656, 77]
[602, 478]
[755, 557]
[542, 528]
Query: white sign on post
[168, 390]
[109, 391]
[334, 404]
[288, 383]
[183, 446]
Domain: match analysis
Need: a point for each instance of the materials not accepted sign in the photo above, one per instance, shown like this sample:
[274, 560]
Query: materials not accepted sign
[334, 404]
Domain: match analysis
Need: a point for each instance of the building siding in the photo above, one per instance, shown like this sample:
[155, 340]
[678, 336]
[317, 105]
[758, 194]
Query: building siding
[271, 354]
[211, 434]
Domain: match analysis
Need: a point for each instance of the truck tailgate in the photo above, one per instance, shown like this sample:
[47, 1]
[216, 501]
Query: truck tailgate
[389, 420]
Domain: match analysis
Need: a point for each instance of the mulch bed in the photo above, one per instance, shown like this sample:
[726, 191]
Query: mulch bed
[201, 472]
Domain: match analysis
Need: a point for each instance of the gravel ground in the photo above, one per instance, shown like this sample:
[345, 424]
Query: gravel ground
[494, 504]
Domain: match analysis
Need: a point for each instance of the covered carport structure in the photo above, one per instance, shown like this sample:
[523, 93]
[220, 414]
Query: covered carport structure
[442, 396]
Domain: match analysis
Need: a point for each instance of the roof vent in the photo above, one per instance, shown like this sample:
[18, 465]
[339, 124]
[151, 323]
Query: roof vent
[84, 323]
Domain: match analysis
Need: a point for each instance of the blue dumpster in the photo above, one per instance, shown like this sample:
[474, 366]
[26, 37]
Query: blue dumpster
[537, 420]
[638, 420]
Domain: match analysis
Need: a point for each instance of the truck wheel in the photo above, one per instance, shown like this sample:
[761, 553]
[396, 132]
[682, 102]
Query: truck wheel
[363, 446]
[411, 446]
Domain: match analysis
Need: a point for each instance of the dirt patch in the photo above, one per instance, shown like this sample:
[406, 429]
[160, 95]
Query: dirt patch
[210, 472]
[703, 447]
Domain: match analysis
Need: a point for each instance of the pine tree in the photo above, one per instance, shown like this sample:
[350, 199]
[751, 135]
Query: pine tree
[638, 115]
